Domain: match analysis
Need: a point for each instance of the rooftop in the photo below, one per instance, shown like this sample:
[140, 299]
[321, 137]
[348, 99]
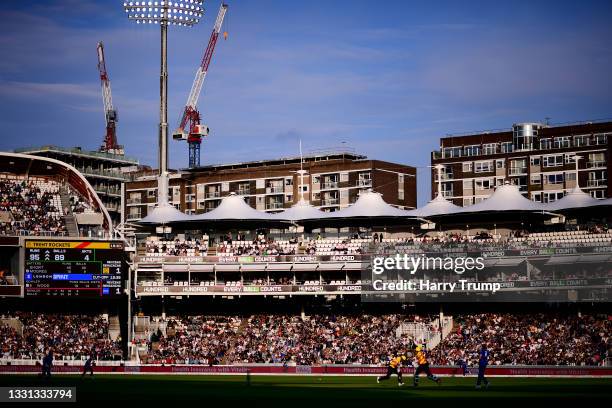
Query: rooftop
[77, 151]
[314, 156]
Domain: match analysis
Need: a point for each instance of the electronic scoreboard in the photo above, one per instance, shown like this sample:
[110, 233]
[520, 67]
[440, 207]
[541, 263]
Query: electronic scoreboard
[74, 268]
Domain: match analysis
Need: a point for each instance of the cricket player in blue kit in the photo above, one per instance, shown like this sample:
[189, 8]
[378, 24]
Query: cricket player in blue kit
[483, 361]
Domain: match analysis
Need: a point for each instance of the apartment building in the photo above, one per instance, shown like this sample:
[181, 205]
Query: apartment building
[330, 181]
[540, 159]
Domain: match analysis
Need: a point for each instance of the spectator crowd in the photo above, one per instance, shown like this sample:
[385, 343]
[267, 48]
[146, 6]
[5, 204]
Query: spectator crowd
[513, 339]
[532, 339]
[69, 336]
[32, 210]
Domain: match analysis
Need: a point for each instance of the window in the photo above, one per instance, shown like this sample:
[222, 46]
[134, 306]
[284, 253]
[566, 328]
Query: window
[556, 178]
[483, 167]
[545, 144]
[151, 193]
[467, 167]
[483, 184]
[467, 184]
[537, 197]
[468, 201]
[552, 197]
[365, 179]
[601, 139]
[596, 160]
[598, 194]
[597, 179]
[449, 152]
[500, 164]
[473, 150]
[490, 148]
[570, 176]
[535, 160]
[506, 147]
[288, 181]
[553, 161]
[518, 166]
[582, 140]
[536, 179]
[562, 142]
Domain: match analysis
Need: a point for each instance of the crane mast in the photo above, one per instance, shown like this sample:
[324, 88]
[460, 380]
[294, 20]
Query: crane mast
[110, 113]
[189, 127]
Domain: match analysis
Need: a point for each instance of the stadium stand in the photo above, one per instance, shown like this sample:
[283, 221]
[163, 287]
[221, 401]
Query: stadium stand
[33, 206]
[534, 339]
[27, 335]
[41, 196]
[514, 339]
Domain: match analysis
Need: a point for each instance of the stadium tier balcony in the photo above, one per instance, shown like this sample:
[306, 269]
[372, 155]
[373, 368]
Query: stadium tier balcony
[31, 206]
[177, 247]
[40, 196]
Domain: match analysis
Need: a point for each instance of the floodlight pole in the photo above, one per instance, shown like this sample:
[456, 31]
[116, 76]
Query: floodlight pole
[162, 193]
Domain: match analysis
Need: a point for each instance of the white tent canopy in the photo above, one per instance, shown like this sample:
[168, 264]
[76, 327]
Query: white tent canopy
[165, 214]
[369, 204]
[300, 211]
[505, 198]
[575, 198]
[233, 207]
[437, 206]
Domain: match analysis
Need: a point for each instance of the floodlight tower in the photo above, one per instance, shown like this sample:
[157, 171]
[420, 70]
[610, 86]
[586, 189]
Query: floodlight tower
[184, 13]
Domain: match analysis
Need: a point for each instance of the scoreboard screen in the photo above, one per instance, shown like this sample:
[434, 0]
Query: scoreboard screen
[74, 268]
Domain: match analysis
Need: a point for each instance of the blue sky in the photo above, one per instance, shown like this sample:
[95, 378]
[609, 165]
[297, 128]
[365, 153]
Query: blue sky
[385, 78]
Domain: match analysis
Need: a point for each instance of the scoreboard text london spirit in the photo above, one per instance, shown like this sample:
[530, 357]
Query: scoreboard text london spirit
[74, 268]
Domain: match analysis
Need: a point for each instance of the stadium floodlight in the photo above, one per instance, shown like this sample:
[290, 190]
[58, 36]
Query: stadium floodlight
[184, 13]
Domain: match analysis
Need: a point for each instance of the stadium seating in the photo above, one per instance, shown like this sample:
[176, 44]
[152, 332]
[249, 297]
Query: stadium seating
[33, 206]
[369, 339]
[28, 335]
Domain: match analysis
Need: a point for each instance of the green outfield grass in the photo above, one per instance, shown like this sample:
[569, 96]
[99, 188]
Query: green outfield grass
[311, 391]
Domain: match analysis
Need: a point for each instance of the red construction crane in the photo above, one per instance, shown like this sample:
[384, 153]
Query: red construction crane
[189, 128]
[110, 114]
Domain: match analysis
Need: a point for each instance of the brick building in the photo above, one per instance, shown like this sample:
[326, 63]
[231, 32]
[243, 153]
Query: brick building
[331, 181]
[539, 159]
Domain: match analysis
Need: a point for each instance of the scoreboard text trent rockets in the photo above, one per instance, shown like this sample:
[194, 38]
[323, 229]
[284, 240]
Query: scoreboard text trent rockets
[74, 268]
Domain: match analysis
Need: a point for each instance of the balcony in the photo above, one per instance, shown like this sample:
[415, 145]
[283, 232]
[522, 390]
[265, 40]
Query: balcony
[597, 183]
[329, 202]
[515, 171]
[243, 191]
[447, 193]
[329, 185]
[364, 183]
[275, 190]
[274, 206]
[213, 194]
[444, 176]
[136, 200]
[599, 164]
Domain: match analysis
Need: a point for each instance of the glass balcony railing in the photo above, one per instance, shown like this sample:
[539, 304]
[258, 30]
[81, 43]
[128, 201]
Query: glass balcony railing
[597, 183]
[517, 170]
[274, 189]
[329, 185]
[597, 164]
[330, 201]
[274, 206]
